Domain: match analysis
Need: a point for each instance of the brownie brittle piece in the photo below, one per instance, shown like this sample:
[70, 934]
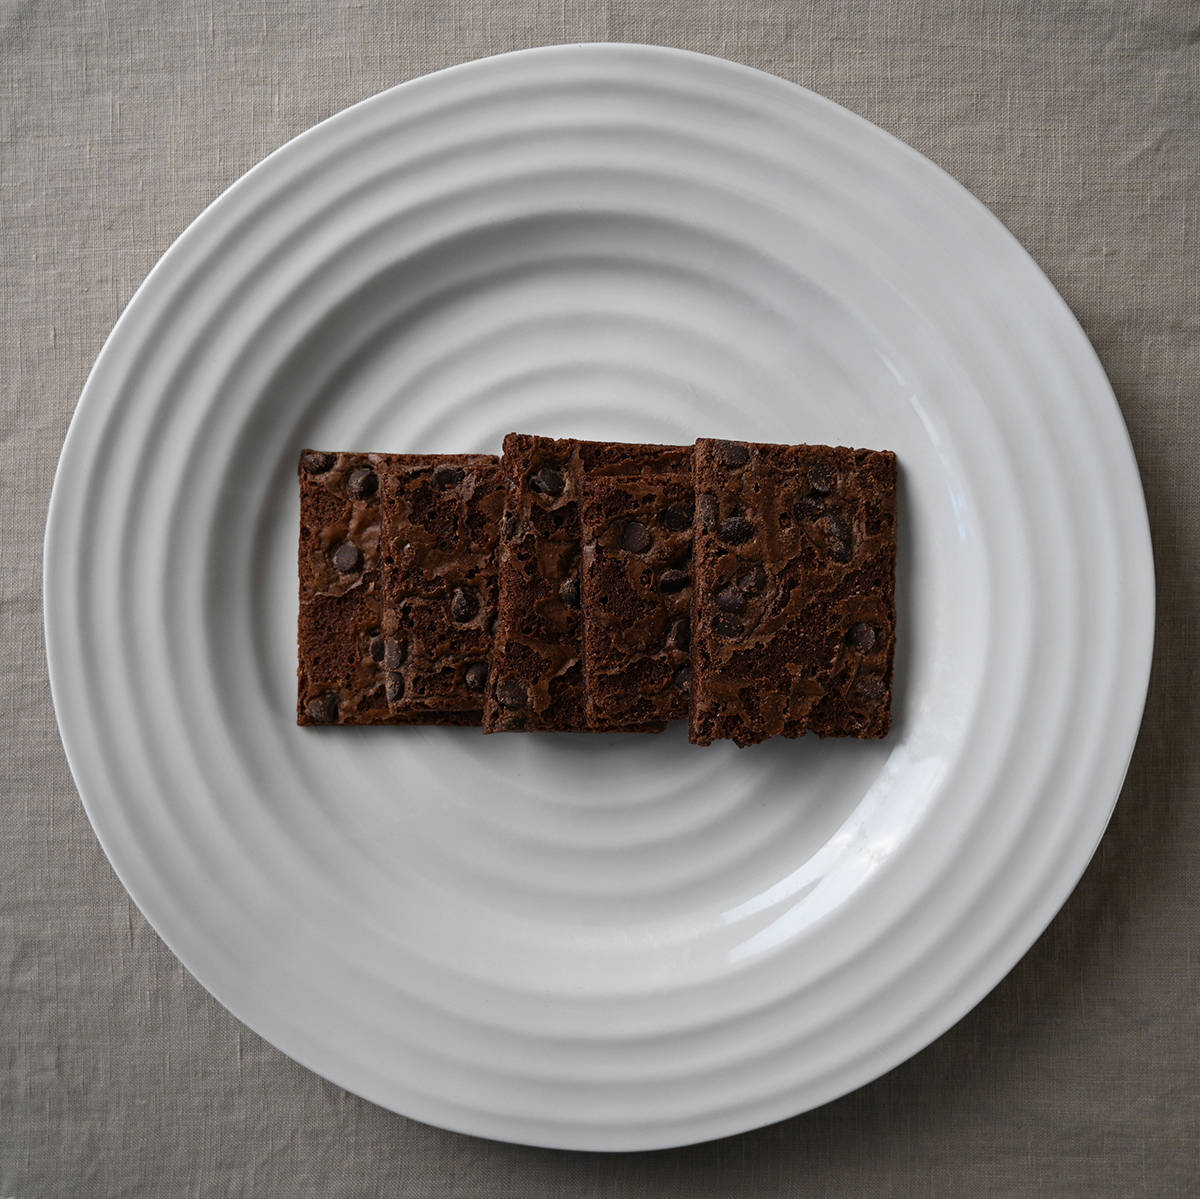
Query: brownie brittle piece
[793, 599]
[537, 678]
[341, 669]
[637, 549]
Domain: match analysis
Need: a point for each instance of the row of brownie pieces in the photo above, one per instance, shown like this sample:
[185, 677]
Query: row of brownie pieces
[600, 586]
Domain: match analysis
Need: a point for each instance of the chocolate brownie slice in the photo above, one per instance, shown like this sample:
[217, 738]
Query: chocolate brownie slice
[441, 521]
[537, 658]
[793, 607]
[637, 549]
[340, 627]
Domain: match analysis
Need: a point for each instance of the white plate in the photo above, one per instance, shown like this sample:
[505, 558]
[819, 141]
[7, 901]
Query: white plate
[597, 942]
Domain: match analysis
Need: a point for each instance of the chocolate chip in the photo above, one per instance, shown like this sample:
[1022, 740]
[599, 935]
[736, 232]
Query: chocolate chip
[394, 653]
[347, 557]
[568, 592]
[510, 693]
[810, 507]
[547, 481]
[821, 479]
[862, 637]
[731, 454]
[727, 625]
[735, 530]
[636, 537]
[394, 688]
[316, 463]
[730, 599]
[753, 581]
[683, 678]
[464, 604]
[447, 476]
[377, 646]
[839, 536]
[323, 709]
[475, 676]
[362, 483]
[680, 635]
[679, 517]
[708, 510]
[672, 581]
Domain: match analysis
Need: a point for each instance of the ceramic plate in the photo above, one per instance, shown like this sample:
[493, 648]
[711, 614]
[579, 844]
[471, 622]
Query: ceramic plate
[582, 941]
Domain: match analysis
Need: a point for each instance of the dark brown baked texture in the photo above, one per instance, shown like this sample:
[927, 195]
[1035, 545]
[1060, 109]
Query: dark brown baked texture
[340, 628]
[441, 521]
[793, 600]
[537, 678]
[637, 549]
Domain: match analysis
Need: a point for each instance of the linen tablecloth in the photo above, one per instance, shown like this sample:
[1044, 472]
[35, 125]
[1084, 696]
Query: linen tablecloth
[1077, 123]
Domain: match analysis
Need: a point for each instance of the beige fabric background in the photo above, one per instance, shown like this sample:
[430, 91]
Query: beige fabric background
[1078, 123]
